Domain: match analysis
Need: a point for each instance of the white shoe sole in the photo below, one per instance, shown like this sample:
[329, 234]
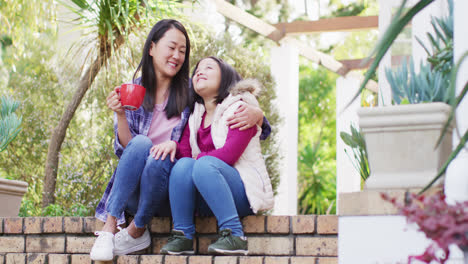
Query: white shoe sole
[132, 249]
[180, 253]
[228, 252]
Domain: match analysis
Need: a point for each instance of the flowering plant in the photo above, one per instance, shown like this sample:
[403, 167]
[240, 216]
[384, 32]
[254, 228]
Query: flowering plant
[443, 223]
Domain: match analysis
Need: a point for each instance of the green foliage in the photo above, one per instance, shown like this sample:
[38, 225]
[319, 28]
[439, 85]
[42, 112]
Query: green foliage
[425, 86]
[9, 122]
[356, 142]
[317, 141]
[250, 64]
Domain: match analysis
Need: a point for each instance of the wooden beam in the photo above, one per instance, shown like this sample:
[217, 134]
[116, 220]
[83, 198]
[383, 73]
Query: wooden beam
[348, 23]
[234, 13]
[357, 64]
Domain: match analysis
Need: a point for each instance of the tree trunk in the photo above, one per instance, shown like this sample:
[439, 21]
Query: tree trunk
[60, 131]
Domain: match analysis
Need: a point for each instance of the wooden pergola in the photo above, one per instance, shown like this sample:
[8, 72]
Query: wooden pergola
[285, 31]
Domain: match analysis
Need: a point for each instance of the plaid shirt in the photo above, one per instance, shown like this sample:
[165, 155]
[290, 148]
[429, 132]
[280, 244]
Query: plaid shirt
[139, 122]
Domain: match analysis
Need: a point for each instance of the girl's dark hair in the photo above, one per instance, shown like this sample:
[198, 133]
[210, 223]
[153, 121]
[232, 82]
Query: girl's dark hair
[178, 90]
[229, 77]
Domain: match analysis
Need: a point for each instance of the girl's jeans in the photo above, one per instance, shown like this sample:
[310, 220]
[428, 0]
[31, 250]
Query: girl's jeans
[140, 184]
[204, 184]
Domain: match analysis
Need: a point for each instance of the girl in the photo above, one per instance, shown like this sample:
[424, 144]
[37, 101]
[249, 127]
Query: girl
[139, 186]
[221, 170]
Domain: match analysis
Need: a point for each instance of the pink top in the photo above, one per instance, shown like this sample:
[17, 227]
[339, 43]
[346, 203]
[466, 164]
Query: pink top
[236, 143]
[161, 128]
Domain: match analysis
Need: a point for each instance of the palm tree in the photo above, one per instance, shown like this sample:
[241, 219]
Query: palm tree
[110, 22]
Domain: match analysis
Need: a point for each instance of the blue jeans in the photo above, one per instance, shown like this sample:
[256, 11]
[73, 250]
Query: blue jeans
[140, 184]
[210, 186]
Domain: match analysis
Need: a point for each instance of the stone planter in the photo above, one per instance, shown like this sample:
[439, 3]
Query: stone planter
[401, 143]
[11, 193]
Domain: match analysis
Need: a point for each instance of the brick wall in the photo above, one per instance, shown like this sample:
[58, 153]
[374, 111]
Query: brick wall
[271, 240]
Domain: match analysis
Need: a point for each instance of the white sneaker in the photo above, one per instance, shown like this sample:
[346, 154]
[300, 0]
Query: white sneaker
[103, 248]
[125, 244]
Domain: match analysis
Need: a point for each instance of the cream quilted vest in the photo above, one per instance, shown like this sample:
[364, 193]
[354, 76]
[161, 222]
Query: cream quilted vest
[250, 165]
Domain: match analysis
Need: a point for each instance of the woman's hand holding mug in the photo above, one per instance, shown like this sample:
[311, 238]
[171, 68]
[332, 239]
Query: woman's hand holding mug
[113, 102]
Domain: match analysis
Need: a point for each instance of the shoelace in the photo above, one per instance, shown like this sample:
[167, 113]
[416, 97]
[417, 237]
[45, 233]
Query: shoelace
[119, 236]
[226, 236]
[175, 236]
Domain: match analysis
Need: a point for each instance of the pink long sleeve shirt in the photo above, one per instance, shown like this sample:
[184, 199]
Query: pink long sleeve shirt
[236, 143]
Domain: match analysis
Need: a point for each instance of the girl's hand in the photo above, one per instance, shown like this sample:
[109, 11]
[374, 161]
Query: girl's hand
[164, 149]
[113, 102]
[246, 117]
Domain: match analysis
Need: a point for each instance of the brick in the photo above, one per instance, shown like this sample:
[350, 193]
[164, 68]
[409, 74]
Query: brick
[200, 259]
[82, 259]
[2, 257]
[32, 225]
[53, 224]
[206, 225]
[271, 246]
[13, 225]
[45, 244]
[278, 224]
[36, 258]
[15, 258]
[327, 224]
[276, 260]
[158, 243]
[160, 225]
[175, 259]
[254, 224]
[225, 260]
[151, 259]
[58, 258]
[303, 224]
[1, 225]
[79, 244]
[250, 260]
[11, 244]
[303, 260]
[204, 242]
[73, 225]
[316, 246]
[131, 259]
[89, 224]
[327, 260]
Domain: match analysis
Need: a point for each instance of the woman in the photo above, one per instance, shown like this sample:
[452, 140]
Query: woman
[221, 170]
[139, 185]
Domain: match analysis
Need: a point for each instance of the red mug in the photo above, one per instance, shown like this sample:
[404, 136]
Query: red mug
[131, 95]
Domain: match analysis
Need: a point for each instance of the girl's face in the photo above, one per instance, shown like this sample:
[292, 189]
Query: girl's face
[207, 78]
[169, 53]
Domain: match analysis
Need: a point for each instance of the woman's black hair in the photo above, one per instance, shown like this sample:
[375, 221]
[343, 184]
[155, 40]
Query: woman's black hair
[178, 90]
[229, 77]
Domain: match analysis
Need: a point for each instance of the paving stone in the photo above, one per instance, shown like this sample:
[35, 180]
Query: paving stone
[59, 258]
[225, 260]
[160, 225]
[200, 259]
[254, 224]
[11, 244]
[250, 260]
[303, 224]
[278, 224]
[15, 258]
[327, 260]
[73, 225]
[271, 246]
[276, 260]
[130, 259]
[79, 244]
[52, 224]
[36, 258]
[13, 225]
[151, 259]
[206, 225]
[303, 260]
[175, 259]
[45, 244]
[81, 259]
[316, 246]
[327, 224]
[32, 225]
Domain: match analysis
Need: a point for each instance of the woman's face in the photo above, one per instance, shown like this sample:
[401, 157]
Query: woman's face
[169, 53]
[207, 78]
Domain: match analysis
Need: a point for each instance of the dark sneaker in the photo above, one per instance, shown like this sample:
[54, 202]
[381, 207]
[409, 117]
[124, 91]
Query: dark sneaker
[178, 244]
[228, 244]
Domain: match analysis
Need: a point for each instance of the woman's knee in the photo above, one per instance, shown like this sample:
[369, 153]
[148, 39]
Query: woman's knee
[159, 166]
[203, 166]
[182, 169]
[139, 143]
